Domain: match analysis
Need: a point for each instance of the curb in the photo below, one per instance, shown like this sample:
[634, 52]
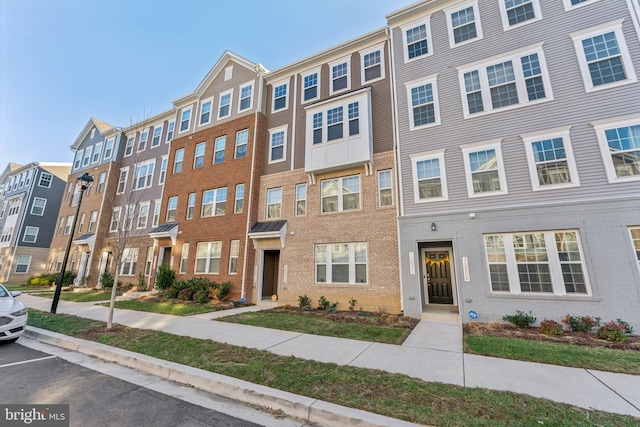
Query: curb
[304, 408]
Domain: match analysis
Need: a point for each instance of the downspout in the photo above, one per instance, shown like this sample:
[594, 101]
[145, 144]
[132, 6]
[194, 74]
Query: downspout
[251, 177]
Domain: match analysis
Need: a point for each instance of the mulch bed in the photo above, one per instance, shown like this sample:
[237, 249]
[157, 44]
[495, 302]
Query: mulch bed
[356, 316]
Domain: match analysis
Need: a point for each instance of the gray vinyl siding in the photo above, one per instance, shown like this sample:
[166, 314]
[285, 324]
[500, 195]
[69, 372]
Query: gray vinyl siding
[571, 106]
[47, 222]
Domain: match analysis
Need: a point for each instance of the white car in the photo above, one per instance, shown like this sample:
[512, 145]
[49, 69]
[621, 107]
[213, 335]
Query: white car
[13, 315]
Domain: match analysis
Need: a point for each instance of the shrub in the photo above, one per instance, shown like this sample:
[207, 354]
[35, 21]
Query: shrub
[352, 304]
[106, 280]
[201, 296]
[67, 279]
[170, 293]
[304, 301]
[520, 319]
[142, 284]
[628, 329]
[612, 331]
[185, 294]
[165, 276]
[42, 280]
[323, 303]
[223, 291]
[581, 323]
[550, 327]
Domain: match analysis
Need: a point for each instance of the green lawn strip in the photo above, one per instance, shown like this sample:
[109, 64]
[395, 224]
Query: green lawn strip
[604, 359]
[24, 287]
[388, 394]
[320, 326]
[83, 296]
[166, 307]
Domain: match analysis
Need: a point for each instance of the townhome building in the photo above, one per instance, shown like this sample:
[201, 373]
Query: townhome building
[213, 177]
[97, 152]
[327, 210]
[137, 194]
[518, 130]
[30, 197]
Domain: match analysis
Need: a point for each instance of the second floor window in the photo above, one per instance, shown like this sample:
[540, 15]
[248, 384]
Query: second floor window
[218, 152]
[172, 208]
[239, 204]
[198, 159]
[191, 205]
[178, 160]
[274, 203]
[280, 97]
[144, 175]
[214, 202]
[185, 120]
[205, 112]
[340, 194]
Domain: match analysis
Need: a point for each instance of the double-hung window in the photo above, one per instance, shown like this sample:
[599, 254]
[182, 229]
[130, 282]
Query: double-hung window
[108, 148]
[550, 158]
[30, 234]
[37, 208]
[172, 208]
[242, 139]
[156, 213]
[142, 145]
[171, 128]
[214, 202]
[149, 261]
[385, 188]
[239, 199]
[340, 194]
[114, 225]
[574, 4]
[144, 175]
[372, 63]
[234, 252]
[143, 215]
[93, 218]
[157, 134]
[208, 257]
[191, 205]
[280, 98]
[277, 144]
[224, 107]
[45, 180]
[463, 23]
[22, 264]
[77, 161]
[603, 57]
[198, 157]
[178, 160]
[246, 97]
[128, 148]
[340, 75]
[484, 169]
[429, 177]
[218, 149]
[310, 85]
[122, 180]
[635, 241]
[335, 120]
[417, 39]
[516, 13]
[205, 112]
[301, 200]
[274, 203]
[129, 261]
[184, 258]
[163, 169]
[539, 262]
[185, 119]
[517, 79]
[317, 128]
[341, 263]
[97, 151]
[619, 142]
[423, 103]
[86, 159]
[101, 180]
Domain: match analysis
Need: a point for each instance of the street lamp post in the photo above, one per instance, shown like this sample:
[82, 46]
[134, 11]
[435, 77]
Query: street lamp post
[85, 180]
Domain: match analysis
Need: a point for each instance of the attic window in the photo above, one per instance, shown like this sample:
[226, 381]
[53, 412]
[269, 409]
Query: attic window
[228, 73]
[93, 133]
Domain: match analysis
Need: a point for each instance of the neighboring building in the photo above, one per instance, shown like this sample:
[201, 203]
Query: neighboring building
[213, 177]
[327, 210]
[30, 197]
[98, 150]
[518, 128]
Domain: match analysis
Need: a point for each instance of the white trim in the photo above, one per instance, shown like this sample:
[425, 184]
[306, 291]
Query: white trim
[200, 112]
[127, 145]
[181, 120]
[337, 62]
[318, 71]
[196, 156]
[124, 170]
[220, 98]
[18, 263]
[145, 133]
[35, 236]
[634, 249]
[97, 153]
[266, 212]
[108, 147]
[467, 149]
[248, 84]
[600, 128]
[153, 136]
[274, 85]
[568, 6]
[425, 81]
[33, 204]
[363, 52]
[505, 18]
[146, 221]
[426, 21]
[429, 155]
[273, 132]
[476, 15]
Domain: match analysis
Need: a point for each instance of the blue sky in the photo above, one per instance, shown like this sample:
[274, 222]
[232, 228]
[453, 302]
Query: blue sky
[63, 62]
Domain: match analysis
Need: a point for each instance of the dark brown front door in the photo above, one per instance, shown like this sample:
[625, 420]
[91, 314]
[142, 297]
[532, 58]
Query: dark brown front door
[270, 269]
[438, 276]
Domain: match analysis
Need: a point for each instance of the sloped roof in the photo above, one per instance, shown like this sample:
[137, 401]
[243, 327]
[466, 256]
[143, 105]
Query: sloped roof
[267, 227]
[102, 127]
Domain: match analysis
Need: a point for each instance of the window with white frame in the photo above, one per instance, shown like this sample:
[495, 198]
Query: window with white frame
[156, 213]
[108, 148]
[93, 218]
[537, 262]
[128, 148]
[4, 208]
[340, 75]
[170, 130]
[191, 205]
[619, 141]
[280, 98]
[246, 97]
[239, 199]
[484, 169]
[603, 57]
[224, 105]
[172, 208]
[242, 139]
[205, 111]
[228, 73]
[101, 180]
[122, 180]
[516, 13]
[142, 143]
[114, 225]
[214, 202]
[423, 103]
[635, 241]
[184, 258]
[234, 252]
[149, 261]
[37, 208]
[7, 232]
[341, 263]
[385, 188]
[417, 39]
[574, 4]
[218, 149]
[185, 119]
[274, 203]
[198, 157]
[278, 144]
[30, 234]
[97, 151]
[157, 135]
[429, 177]
[463, 23]
[129, 261]
[81, 222]
[301, 199]
[178, 160]
[67, 225]
[29, 175]
[59, 262]
[340, 194]
[77, 161]
[60, 226]
[143, 215]
[86, 159]
[310, 85]
[22, 265]
[144, 175]
[515, 80]
[372, 63]
[14, 206]
[45, 180]
[335, 122]
[163, 170]
[208, 257]
[551, 161]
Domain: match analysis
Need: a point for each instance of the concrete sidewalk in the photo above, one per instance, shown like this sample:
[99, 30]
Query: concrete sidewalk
[433, 352]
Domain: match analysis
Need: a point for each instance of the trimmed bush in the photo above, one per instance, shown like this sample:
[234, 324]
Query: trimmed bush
[581, 323]
[42, 280]
[185, 294]
[106, 280]
[612, 331]
[223, 290]
[304, 301]
[550, 327]
[165, 277]
[520, 319]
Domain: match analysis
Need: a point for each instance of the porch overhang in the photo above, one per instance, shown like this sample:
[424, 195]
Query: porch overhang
[169, 230]
[268, 230]
[88, 239]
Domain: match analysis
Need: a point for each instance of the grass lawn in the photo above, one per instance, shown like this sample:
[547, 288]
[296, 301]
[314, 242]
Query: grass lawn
[23, 287]
[167, 307]
[604, 359]
[84, 296]
[388, 394]
[299, 322]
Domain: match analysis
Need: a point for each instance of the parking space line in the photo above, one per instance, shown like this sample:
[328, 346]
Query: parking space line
[27, 361]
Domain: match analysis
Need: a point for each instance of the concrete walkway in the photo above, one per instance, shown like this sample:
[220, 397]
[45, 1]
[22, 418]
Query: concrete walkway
[433, 352]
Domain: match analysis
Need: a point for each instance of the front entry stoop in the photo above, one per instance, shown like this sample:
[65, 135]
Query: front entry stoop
[441, 313]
